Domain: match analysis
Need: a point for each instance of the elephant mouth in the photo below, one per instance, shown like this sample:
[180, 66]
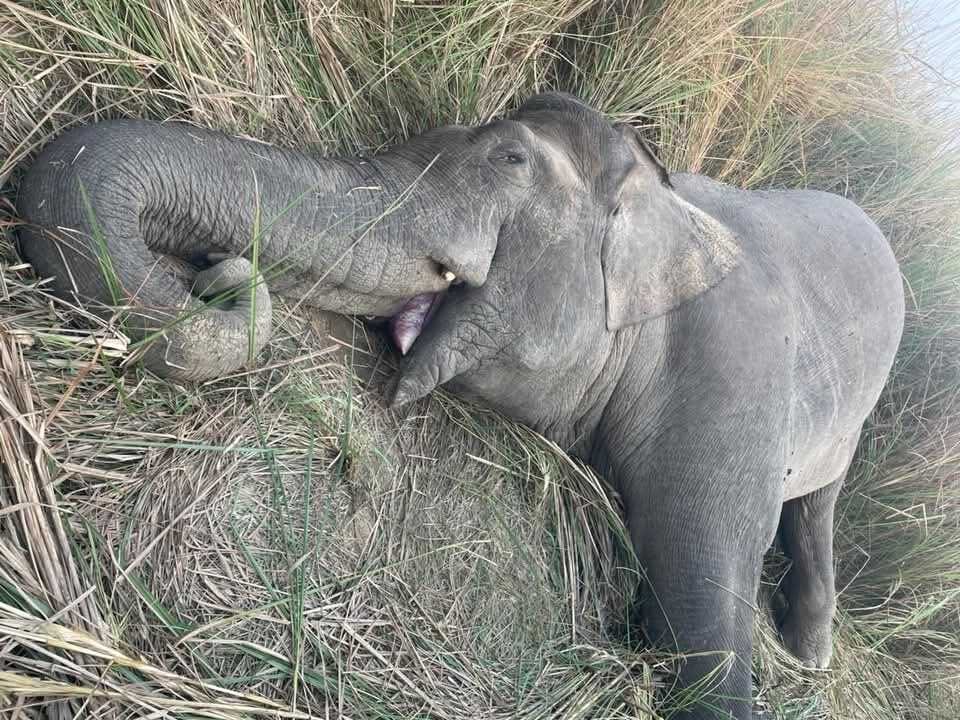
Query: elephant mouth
[407, 324]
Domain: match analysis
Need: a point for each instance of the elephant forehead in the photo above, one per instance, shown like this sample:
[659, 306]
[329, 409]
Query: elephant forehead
[567, 169]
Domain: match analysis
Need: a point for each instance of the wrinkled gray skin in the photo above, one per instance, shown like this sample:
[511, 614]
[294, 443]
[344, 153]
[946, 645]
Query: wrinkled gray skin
[712, 351]
[127, 212]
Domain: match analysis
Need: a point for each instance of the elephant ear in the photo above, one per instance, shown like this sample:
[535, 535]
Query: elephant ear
[659, 250]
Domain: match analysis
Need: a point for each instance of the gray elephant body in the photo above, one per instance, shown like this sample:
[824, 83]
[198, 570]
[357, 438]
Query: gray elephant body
[810, 319]
[741, 410]
[712, 351]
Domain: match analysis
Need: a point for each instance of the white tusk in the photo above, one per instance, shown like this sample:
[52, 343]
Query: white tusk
[449, 276]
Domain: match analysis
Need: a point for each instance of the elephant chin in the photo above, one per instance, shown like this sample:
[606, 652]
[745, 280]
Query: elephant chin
[413, 317]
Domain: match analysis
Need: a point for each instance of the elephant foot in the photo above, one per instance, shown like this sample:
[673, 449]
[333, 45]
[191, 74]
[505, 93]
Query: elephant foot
[809, 637]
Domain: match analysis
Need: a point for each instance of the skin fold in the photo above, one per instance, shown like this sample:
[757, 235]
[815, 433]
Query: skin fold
[712, 351]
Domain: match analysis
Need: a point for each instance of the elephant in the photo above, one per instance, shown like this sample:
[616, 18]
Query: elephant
[713, 352]
[182, 229]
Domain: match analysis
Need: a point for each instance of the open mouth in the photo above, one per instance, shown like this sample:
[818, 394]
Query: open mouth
[406, 325]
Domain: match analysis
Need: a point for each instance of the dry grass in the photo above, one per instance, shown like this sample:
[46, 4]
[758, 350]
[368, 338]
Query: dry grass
[276, 543]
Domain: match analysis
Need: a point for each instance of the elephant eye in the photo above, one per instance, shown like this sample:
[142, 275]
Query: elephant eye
[512, 158]
[509, 153]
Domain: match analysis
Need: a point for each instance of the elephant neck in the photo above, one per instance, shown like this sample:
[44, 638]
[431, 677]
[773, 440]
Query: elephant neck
[627, 399]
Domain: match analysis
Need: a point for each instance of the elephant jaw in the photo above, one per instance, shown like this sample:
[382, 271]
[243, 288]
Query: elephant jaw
[409, 322]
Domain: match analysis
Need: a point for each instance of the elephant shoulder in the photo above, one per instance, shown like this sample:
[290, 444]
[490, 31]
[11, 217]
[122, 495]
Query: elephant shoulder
[732, 343]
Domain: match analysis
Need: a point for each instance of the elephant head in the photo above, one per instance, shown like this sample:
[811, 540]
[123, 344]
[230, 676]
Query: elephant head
[600, 242]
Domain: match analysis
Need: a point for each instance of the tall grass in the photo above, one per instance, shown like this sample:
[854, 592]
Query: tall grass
[277, 544]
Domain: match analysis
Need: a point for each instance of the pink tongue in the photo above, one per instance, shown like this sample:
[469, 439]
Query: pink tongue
[406, 325]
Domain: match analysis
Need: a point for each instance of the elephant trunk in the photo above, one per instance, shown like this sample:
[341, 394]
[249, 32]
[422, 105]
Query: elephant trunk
[125, 213]
[229, 307]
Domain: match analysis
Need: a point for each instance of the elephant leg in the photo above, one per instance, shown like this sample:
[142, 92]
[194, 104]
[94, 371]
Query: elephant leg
[700, 599]
[806, 533]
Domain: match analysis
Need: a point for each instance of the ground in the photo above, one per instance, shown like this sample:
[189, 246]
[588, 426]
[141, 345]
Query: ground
[277, 543]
